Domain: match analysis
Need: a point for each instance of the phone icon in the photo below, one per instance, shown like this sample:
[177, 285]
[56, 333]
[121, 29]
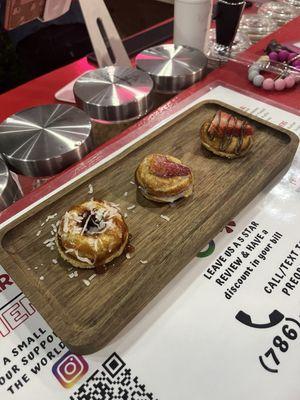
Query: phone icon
[274, 318]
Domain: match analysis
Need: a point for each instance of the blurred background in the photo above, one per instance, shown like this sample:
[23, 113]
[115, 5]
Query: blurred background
[37, 48]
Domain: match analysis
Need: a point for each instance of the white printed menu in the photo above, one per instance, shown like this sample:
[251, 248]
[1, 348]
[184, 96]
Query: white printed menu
[227, 327]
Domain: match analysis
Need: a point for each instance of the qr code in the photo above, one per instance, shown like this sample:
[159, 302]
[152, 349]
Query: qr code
[114, 381]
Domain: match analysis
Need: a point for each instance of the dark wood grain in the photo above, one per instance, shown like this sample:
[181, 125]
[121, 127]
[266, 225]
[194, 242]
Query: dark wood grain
[87, 318]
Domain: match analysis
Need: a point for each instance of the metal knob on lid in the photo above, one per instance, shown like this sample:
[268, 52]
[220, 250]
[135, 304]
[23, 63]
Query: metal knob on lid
[114, 94]
[172, 67]
[44, 140]
[9, 191]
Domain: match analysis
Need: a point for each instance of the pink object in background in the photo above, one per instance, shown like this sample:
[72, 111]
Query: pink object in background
[268, 84]
[279, 84]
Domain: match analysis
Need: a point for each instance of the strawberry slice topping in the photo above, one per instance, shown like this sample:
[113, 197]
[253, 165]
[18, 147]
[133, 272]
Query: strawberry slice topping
[165, 168]
[224, 119]
[248, 129]
[226, 124]
[231, 126]
[214, 126]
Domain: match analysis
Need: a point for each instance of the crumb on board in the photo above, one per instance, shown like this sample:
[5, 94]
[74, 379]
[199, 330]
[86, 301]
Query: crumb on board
[38, 233]
[128, 256]
[54, 227]
[92, 277]
[125, 215]
[91, 189]
[41, 278]
[54, 261]
[86, 282]
[132, 182]
[165, 217]
[49, 241]
[131, 207]
[51, 217]
[125, 194]
[144, 261]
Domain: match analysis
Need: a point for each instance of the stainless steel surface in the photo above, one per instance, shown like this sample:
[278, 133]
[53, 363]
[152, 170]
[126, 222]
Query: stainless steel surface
[9, 190]
[42, 141]
[172, 67]
[114, 94]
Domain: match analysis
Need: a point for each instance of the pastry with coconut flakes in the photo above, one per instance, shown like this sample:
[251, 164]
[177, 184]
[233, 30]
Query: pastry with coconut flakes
[92, 234]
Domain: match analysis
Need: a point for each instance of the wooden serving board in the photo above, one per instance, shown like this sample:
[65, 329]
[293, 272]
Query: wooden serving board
[88, 317]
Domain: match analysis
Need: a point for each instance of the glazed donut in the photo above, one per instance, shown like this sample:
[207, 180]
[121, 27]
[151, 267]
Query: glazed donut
[226, 135]
[92, 234]
[163, 178]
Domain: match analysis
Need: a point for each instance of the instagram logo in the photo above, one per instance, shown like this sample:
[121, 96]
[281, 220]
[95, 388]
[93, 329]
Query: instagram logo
[69, 369]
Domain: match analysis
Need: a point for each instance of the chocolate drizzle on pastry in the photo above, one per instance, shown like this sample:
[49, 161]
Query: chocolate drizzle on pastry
[223, 128]
[93, 222]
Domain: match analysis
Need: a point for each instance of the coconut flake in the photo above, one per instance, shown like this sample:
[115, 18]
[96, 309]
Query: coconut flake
[86, 224]
[66, 222]
[70, 251]
[54, 228]
[86, 282]
[51, 217]
[126, 194]
[132, 182]
[50, 240]
[128, 256]
[38, 233]
[91, 189]
[131, 207]
[125, 215]
[41, 278]
[143, 261]
[165, 217]
[83, 259]
[92, 277]
[54, 261]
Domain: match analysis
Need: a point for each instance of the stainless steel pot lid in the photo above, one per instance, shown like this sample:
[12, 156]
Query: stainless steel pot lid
[9, 191]
[114, 94]
[44, 140]
[172, 67]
